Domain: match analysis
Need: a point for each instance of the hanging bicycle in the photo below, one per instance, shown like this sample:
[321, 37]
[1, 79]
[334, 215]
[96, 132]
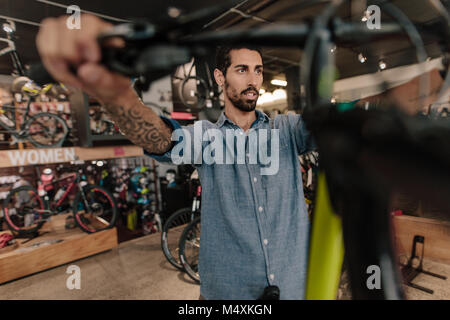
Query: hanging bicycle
[195, 92]
[43, 129]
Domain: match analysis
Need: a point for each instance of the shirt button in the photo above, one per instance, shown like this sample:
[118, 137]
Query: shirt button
[260, 209]
[272, 276]
[241, 133]
[254, 179]
[266, 242]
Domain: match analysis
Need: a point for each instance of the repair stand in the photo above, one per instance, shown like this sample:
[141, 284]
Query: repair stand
[409, 272]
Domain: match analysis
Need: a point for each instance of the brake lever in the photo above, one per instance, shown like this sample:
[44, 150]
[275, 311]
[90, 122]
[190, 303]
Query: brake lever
[146, 51]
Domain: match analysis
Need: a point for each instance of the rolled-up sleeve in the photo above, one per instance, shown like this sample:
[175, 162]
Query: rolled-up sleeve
[303, 138]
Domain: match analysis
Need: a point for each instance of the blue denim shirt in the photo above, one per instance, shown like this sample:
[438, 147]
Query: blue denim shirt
[255, 227]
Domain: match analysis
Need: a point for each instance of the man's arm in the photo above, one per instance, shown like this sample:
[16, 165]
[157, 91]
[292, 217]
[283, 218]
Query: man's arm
[63, 50]
[297, 129]
[140, 124]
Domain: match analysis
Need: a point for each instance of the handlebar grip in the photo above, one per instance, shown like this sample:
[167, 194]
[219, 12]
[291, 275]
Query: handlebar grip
[39, 74]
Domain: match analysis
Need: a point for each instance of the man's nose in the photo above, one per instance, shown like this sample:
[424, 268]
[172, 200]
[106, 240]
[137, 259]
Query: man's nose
[252, 80]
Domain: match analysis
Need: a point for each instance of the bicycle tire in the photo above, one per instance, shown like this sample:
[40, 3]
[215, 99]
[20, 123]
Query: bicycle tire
[61, 125]
[11, 221]
[201, 100]
[170, 247]
[96, 222]
[190, 240]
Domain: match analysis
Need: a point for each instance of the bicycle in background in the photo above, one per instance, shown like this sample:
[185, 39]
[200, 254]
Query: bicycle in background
[43, 130]
[26, 209]
[180, 247]
[195, 92]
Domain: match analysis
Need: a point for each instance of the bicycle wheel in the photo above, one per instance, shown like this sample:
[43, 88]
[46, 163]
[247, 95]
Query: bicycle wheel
[189, 248]
[22, 210]
[193, 92]
[46, 130]
[171, 233]
[94, 209]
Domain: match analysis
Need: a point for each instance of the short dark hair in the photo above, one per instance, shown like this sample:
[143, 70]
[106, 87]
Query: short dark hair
[223, 60]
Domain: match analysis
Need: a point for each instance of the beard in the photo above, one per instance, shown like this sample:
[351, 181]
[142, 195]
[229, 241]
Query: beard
[239, 101]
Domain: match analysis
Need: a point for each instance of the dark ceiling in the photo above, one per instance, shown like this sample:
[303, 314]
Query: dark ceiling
[249, 13]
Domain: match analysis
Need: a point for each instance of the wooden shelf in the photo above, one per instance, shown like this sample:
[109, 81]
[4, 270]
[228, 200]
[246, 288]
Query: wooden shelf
[58, 246]
[112, 137]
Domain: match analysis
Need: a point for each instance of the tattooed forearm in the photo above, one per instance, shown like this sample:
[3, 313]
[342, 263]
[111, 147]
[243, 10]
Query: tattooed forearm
[142, 126]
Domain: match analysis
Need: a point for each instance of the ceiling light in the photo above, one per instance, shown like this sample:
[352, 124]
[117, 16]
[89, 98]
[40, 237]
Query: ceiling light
[333, 49]
[382, 65]
[277, 82]
[279, 94]
[267, 97]
[362, 58]
[7, 28]
[173, 12]
[366, 16]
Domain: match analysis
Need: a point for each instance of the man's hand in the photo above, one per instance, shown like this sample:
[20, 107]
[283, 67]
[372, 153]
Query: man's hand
[63, 49]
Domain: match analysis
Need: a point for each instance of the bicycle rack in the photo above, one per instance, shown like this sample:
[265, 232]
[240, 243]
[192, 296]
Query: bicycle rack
[410, 273]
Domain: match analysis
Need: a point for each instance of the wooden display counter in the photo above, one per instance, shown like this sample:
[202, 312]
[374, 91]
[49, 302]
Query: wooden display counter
[436, 233]
[56, 246]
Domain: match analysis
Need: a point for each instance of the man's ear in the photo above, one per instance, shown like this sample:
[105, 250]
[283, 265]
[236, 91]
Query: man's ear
[218, 76]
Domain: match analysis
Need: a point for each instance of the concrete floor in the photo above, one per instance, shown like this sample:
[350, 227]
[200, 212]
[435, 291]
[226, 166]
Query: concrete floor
[137, 269]
[440, 287]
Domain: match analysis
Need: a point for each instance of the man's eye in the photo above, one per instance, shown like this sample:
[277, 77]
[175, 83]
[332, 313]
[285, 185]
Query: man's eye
[241, 70]
[259, 71]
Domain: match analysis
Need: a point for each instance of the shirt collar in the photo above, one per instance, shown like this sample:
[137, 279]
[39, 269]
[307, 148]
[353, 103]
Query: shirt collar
[260, 117]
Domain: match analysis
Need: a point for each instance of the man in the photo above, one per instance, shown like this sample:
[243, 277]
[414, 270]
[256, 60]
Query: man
[254, 218]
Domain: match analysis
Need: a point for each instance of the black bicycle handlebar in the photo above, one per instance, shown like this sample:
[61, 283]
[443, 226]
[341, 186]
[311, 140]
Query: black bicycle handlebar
[154, 53]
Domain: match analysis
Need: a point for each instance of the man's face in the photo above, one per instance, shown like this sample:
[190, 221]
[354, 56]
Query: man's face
[243, 79]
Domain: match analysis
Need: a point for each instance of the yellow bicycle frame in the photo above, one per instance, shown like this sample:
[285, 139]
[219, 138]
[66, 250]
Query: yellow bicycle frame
[35, 90]
[326, 250]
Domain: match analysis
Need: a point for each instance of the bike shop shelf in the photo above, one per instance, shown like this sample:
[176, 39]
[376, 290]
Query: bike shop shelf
[26, 157]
